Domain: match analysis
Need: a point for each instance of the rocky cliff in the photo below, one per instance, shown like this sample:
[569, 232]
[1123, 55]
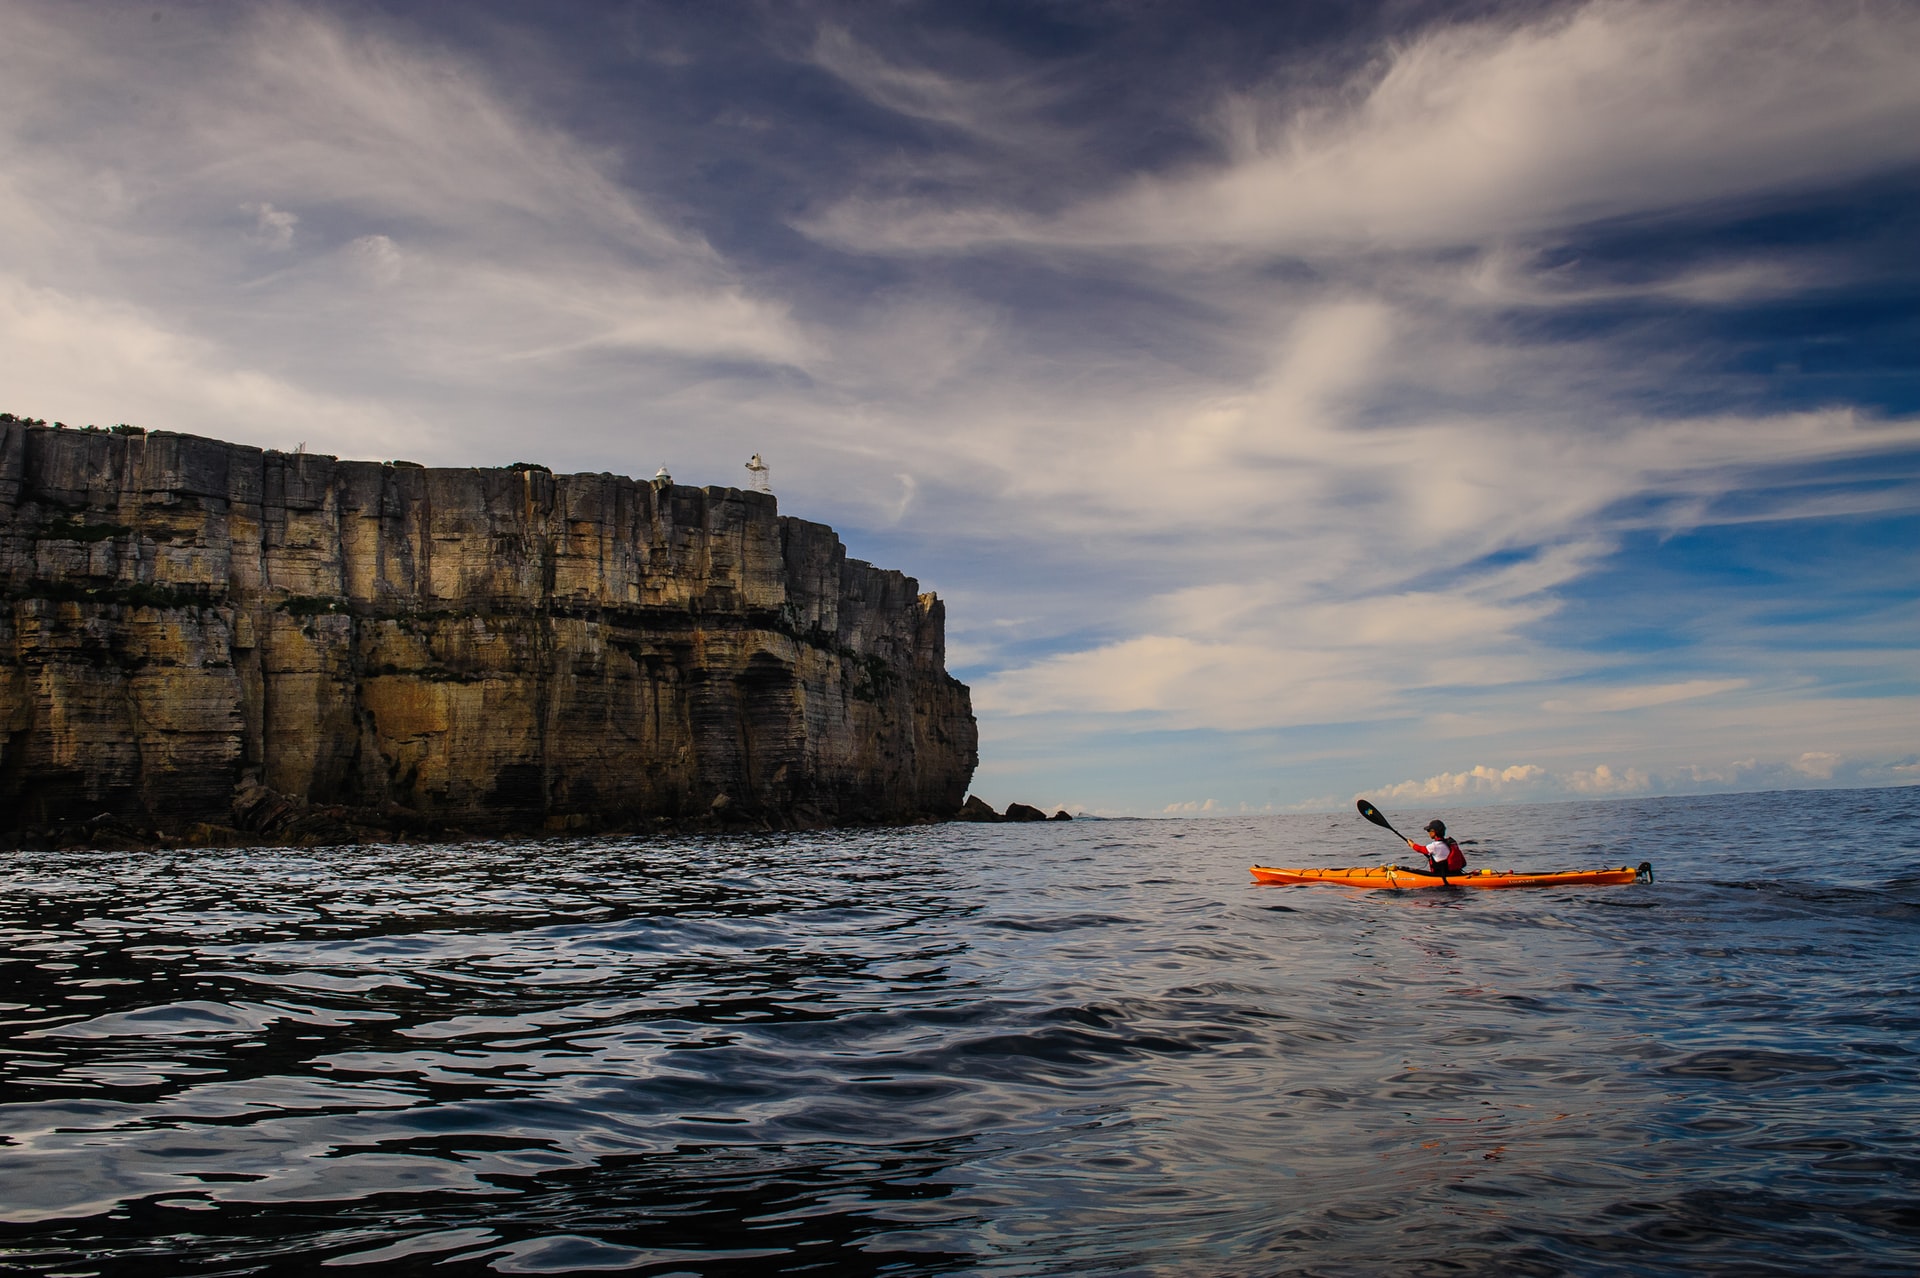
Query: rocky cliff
[197, 632]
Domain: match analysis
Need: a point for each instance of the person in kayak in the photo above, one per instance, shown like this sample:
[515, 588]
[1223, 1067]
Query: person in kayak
[1443, 854]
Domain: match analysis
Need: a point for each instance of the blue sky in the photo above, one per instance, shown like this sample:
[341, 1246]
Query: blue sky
[1444, 402]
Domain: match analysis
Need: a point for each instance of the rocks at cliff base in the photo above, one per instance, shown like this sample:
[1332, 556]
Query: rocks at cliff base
[258, 810]
[261, 813]
[977, 809]
[288, 646]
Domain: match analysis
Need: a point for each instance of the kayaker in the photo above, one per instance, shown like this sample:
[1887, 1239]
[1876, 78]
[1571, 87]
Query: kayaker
[1443, 854]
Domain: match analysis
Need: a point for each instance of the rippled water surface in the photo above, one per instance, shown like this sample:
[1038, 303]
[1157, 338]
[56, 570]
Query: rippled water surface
[1093, 1047]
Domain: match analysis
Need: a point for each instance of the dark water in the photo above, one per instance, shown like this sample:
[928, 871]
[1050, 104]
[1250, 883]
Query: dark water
[1085, 1048]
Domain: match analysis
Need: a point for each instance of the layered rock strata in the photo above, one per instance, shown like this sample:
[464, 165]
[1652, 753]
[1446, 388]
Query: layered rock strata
[198, 632]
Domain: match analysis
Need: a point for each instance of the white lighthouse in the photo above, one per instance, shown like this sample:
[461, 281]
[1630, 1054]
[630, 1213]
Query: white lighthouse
[757, 473]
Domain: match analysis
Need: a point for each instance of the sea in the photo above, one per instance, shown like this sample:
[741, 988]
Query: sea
[1088, 1047]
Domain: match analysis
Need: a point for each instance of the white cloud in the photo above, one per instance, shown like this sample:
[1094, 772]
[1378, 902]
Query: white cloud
[1300, 614]
[273, 227]
[85, 361]
[1479, 780]
[378, 258]
[1335, 662]
[1505, 276]
[1003, 108]
[1476, 131]
[1520, 781]
[315, 106]
[1532, 782]
[1818, 764]
[443, 233]
[1602, 779]
[909, 487]
[1614, 700]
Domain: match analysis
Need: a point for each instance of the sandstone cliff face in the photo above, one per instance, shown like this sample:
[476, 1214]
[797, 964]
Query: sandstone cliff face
[483, 649]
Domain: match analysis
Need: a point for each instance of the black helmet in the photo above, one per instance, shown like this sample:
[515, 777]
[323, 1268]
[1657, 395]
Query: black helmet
[1437, 827]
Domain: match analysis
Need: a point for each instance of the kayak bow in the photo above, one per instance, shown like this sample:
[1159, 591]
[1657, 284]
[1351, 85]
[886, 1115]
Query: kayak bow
[1393, 876]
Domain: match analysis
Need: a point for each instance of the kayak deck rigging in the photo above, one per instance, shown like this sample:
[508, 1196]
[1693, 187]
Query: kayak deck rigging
[1397, 876]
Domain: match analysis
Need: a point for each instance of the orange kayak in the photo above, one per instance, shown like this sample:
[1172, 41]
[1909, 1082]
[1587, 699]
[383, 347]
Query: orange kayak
[1393, 876]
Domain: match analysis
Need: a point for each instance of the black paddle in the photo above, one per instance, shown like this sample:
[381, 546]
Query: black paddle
[1372, 814]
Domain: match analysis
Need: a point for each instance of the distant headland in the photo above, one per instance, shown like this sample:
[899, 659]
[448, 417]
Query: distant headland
[204, 642]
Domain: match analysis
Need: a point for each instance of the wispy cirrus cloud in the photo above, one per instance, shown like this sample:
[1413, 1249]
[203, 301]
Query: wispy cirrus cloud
[1614, 700]
[111, 360]
[1475, 131]
[335, 201]
[1003, 108]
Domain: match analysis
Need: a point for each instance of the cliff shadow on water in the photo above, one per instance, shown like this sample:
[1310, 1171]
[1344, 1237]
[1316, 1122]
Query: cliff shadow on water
[213, 642]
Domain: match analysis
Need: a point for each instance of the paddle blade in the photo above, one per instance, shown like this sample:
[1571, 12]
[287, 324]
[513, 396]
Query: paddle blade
[1372, 814]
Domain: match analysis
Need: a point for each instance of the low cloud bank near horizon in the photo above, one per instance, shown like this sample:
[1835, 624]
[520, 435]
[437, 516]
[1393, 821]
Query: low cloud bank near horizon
[1529, 782]
[1375, 401]
[1525, 783]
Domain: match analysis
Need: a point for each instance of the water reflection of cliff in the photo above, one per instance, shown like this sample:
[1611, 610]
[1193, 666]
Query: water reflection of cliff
[199, 633]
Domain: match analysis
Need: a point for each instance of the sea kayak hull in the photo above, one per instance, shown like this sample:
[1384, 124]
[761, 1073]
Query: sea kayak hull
[1389, 876]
